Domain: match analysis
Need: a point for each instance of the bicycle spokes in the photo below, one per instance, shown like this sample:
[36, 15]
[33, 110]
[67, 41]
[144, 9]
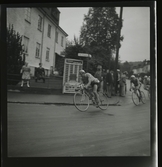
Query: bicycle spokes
[103, 101]
[81, 101]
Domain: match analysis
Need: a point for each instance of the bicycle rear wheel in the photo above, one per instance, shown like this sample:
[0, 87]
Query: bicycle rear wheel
[143, 98]
[81, 101]
[103, 101]
[135, 99]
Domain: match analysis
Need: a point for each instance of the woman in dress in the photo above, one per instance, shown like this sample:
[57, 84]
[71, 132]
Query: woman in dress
[25, 74]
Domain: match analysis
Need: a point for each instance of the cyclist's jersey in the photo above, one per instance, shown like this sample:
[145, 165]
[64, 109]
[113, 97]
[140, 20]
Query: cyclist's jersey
[88, 77]
[135, 82]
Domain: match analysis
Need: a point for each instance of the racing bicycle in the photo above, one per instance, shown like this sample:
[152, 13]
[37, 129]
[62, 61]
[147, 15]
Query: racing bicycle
[138, 97]
[83, 96]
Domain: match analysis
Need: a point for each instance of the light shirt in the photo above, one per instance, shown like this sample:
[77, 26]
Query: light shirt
[90, 78]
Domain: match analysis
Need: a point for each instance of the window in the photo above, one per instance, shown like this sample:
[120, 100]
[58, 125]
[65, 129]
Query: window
[37, 54]
[28, 14]
[62, 41]
[49, 30]
[57, 37]
[40, 23]
[26, 43]
[47, 54]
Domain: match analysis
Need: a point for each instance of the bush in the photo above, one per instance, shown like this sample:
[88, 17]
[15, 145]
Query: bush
[14, 58]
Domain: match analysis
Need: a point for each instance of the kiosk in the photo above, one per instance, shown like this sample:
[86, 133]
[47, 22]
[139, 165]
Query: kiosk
[71, 77]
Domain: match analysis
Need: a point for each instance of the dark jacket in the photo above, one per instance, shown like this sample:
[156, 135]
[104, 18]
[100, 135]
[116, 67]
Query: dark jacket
[98, 75]
[109, 78]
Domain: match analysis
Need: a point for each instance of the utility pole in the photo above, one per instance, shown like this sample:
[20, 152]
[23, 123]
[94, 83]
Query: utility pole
[117, 46]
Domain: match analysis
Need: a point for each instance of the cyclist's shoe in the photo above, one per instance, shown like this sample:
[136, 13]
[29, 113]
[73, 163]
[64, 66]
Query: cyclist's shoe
[98, 104]
[93, 100]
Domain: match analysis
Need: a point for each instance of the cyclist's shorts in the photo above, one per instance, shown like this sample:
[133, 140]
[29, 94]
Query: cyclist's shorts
[95, 83]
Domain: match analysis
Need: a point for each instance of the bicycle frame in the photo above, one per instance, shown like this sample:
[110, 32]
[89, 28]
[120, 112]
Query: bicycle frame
[141, 96]
[135, 91]
[88, 92]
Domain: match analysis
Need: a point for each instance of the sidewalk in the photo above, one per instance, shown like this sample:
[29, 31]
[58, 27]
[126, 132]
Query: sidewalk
[61, 99]
[54, 96]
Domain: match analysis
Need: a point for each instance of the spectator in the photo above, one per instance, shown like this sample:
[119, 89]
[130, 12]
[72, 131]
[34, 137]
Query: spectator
[25, 74]
[113, 82]
[109, 83]
[146, 82]
[99, 76]
[123, 84]
[118, 77]
[40, 73]
[104, 81]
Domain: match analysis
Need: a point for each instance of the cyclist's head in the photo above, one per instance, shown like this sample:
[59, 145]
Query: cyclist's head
[81, 72]
[132, 77]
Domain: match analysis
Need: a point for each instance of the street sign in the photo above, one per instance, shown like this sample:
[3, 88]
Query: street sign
[84, 55]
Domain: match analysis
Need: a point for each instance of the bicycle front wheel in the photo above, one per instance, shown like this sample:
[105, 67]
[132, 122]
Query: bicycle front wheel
[135, 99]
[81, 101]
[143, 98]
[103, 101]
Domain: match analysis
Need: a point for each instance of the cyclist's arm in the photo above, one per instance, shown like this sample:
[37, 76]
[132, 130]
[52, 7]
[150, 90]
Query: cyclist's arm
[88, 84]
[139, 83]
[81, 80]
[89, 81]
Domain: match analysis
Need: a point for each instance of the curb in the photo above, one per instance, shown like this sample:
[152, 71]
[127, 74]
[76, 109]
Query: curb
[35, 90]
[49, 103]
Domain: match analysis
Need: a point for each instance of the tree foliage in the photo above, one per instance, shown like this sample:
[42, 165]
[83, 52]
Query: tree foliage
[99, 34]
[98, 37]
[14, 58]
[126, 66]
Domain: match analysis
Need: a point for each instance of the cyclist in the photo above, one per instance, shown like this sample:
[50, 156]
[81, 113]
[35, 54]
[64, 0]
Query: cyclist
[89, 80]
[136, 84]
[146, 83]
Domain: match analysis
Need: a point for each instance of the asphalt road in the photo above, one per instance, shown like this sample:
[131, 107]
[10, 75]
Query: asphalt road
[52, 131]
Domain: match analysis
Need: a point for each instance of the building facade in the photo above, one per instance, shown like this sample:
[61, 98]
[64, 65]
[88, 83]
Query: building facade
[144, 67]
[42, 37]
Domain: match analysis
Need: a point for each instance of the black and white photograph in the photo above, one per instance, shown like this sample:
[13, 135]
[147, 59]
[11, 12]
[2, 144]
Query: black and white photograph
[80, 81]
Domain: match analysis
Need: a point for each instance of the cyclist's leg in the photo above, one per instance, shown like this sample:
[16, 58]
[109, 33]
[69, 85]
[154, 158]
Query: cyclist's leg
[139, 91]
[90, 92]
[95, 87]
[136, 91]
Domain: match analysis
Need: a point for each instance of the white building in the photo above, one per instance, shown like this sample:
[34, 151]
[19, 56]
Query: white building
[43, 38]
[144, 67]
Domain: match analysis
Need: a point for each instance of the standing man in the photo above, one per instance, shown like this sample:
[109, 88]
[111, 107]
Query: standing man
[113, 82]
[123, 84]
[104, 74]
[99, 76]
[40, 73]
[109, 83]
[118, 77]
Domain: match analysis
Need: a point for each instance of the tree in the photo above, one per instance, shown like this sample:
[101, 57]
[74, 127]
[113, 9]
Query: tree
[126, 66]
[14, 58]
[99, 33]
